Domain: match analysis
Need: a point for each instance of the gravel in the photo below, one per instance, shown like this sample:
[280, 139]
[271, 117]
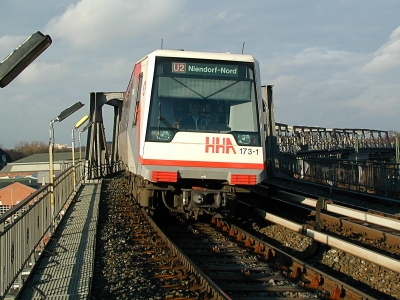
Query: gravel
[127, 251]
[121, 269]
[364, 275]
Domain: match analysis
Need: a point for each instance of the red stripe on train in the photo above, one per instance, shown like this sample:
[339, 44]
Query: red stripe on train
[203, 164]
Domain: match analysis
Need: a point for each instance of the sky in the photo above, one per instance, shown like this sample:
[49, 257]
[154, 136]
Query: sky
[333, 64]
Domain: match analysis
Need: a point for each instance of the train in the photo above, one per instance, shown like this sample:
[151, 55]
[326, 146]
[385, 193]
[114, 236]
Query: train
[192, 134]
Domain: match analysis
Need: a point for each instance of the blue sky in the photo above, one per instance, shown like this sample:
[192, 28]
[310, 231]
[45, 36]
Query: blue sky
[332, 63]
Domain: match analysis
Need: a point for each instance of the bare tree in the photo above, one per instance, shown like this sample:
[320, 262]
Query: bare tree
[23, 149]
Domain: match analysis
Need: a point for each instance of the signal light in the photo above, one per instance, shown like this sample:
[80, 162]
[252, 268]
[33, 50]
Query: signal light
[243, 179]
[164, 176]
[22, 57]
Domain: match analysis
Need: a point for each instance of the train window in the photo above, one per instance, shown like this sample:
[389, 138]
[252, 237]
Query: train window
[204, 89]
[137, 99]
[227, 100]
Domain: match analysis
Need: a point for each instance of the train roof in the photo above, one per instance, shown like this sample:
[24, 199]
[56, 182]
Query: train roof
[202, 55]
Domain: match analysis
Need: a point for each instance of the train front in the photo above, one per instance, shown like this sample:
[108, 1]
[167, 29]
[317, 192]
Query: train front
[204, 141]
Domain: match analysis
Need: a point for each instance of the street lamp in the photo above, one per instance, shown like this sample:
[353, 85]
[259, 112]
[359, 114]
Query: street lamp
[77, 125]
[22, 57]
[11, 191]
[80, 152]
[63, 115]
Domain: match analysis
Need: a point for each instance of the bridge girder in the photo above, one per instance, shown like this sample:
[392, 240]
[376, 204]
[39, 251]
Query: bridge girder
[295, 139]
[100, 161]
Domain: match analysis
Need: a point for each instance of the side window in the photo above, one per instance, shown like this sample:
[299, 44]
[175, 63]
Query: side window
[137, 100]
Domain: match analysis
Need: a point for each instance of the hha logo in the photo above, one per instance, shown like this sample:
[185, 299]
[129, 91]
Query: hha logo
[216, 147]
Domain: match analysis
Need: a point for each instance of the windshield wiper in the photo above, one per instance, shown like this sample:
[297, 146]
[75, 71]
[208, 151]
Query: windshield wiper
[165, 121]
[212, 94]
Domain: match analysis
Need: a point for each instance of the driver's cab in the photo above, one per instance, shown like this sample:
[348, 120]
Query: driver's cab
[225, 91]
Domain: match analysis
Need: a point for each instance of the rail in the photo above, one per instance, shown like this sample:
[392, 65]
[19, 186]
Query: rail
[379, 178]
[26, 228]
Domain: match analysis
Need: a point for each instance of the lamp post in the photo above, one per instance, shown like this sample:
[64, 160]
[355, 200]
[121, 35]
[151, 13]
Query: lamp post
[22, 57]
[396, 138]
[77, 125]
[63, 115]
[80, 152]
[11, 192]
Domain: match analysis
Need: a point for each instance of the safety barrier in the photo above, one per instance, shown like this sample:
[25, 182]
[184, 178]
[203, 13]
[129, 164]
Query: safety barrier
[26, 228]
[380, 178]
[102, 170]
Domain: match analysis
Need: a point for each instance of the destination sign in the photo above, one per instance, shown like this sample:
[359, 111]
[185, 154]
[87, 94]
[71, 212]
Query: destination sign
[205, 69]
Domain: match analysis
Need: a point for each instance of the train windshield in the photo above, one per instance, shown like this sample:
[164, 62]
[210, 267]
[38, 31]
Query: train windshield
[206, 96]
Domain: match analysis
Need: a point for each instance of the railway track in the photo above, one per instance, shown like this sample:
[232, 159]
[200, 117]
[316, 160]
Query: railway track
[246, 267]
[354, 243]
[134, 260]
[372, 230]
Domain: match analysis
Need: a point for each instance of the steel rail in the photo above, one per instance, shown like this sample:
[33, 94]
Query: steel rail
[205, 282]
[218, 243]
[344, 211]
[376, 258]
[334, 222]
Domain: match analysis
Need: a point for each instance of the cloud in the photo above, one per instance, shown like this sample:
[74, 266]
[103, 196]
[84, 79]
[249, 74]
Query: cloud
[91, 24]
[379, 101]
[328, 82]
[43, 72]
[313, 65]
[386, 57]
[320, 55]
[225, 16]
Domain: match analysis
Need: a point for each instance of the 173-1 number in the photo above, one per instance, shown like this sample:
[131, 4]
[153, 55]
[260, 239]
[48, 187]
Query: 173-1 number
[248, 151]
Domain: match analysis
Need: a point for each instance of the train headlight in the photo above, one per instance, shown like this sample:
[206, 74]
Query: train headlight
[244, 139]
[160, 136]
[247, 138]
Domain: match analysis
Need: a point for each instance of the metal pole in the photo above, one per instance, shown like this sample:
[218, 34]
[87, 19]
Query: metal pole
[356, 145]
[397, 148]
[397, 161]
[51, 171]
[80, 154]
[11, 197]
[63, 115]
[73, 159]
[77, 125]
[80, 151]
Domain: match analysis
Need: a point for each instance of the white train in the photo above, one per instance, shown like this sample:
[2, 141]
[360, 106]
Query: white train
[192, 131]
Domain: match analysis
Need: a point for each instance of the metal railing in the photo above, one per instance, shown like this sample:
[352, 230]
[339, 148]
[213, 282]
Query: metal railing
[293, 139]
[26, 228]
[380, 178]
[102, 170]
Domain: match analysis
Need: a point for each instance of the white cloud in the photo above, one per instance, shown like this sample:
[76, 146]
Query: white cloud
[109, 69]
[91, 24]
[225, 16]
[380, 101]
[319, 54]
[386, 57]
[43, 72]
[321, 87]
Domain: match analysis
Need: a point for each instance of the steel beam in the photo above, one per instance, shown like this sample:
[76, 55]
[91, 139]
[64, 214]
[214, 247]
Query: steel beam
[99, 159]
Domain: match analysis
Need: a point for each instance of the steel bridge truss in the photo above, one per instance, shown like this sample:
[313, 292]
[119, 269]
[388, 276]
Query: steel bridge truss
[297, 139]
[101, 158]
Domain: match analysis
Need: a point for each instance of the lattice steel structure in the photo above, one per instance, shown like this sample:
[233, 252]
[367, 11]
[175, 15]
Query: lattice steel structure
[100, 161]
[297, 139]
